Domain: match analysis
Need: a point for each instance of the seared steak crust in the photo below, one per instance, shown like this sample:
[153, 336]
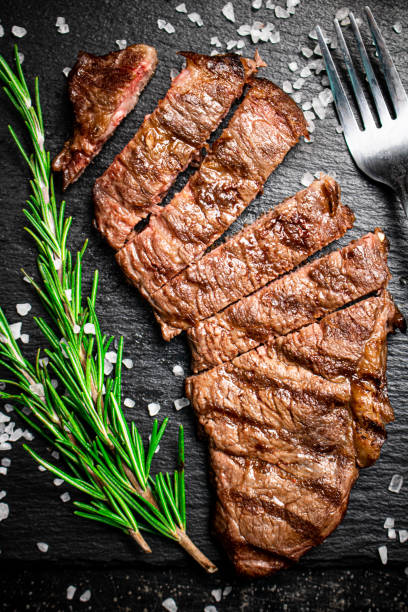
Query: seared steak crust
[264, 128]
[292, 301]
[167, 141]
[283, 424]
[276, 243]
[103, 90]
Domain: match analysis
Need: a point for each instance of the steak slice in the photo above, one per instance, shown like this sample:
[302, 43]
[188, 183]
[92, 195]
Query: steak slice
[283, 422]
[103, 90]
[292, 301]
[167, 141]
[276, 243]
[266, 125]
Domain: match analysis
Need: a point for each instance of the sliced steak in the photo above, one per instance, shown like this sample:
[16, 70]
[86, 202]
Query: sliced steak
[283, 422]
[292, 301]
[103, 90]
[263, 129]
[167, 141]
[276, 243]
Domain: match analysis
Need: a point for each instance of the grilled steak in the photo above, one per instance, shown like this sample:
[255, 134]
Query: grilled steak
[286, 432]
[167, 141]
[292, 301]
[103, 90]
[274, 244]
[264, 128]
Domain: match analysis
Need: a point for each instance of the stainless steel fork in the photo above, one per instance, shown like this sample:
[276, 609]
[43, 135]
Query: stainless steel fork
[380, 152]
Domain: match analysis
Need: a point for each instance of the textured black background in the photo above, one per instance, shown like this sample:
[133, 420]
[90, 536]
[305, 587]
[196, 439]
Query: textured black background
[344, 572]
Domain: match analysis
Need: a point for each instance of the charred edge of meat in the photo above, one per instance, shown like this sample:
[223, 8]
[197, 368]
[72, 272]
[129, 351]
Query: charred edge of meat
[226, 66]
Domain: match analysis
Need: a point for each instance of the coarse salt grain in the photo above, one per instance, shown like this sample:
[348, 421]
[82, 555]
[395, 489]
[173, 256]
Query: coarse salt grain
[227, 591]
[15, 329]
[256, 4]
[326, 96]
[63, 28]
[3, 471]
[403, 535]
[307, 179]
[293, 66]
[309, 115]
[71, 590]
[65, 497]
[161, 23]
[325, 80]
[389, 523]
[210, 609]
[305, 72]
[4, 418]
[111, 356]
[128, 363]
[153, 408]
[317, 50]
[55, 454]
[1, 31]
[25, 338]
[86, 596]
[178, 370]
[20, 57]
[383, 552]
[58, 482]
[169, 604]
[173, 73]
[396, 483]
[4, 511]
[196, 18]
[392, 534]
[3, 494]
[215, 41]
[42, 547]
[397, 27]
[274, 37]
[292, 3]
[231, 44]
[297, 97]
[180, 403]
[306, 105]
[298, 83]
[68, 293]
[169, 28]
[287, 87]
[339, 129]
[107, 367]
[181, 8]
[41, 468]
[89, 328]
[306, 52]
[217, 594]
[345, 22]
[281, 13]
[129, 403]
[342, 13]
[18, 31]
[228, 12]
[244, 30]
[269, 5]
[122, 43]
[37, 389]
[240, 44]
[6, 462]
[28, 435]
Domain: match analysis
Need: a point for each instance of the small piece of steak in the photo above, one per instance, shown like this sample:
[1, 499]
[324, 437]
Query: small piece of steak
[286, 428]
[167, 141]
[266, 125]
[103, 90]
[276, 243]
[292, 301]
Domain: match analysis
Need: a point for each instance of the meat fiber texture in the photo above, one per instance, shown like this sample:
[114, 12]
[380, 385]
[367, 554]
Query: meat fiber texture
[266, 125]
[167, 141]
[287, 432]
[292, 301]
[276, 243]
[103, 90]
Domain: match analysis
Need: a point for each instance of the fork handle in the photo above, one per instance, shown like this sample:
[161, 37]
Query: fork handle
[401, 190]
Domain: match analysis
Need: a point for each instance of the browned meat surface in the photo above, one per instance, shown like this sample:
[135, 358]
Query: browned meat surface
[283, 422]
[274, 244]
[103, 90]
[292, 301]
[263, 129]
[167, 141]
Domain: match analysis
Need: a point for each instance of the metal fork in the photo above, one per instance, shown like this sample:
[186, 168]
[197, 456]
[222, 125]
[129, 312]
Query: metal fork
[380, 152]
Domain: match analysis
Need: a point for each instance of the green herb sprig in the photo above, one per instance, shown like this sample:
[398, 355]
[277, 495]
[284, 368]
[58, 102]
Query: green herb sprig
[105, 458]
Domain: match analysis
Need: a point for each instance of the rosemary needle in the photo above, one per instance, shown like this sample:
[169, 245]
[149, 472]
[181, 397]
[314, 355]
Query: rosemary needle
[105, 459]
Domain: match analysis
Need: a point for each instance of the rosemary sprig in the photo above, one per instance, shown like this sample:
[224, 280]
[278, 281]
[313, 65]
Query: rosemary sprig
[104, 457]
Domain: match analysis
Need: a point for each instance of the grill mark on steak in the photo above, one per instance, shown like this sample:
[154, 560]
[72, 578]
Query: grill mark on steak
[276, 243]
[103, 90]
[168, 140]
[266, 125]
[279, 496]
[292, 301]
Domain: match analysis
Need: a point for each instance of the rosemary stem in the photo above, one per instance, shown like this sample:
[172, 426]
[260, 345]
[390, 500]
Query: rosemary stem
[137, 537]
[195, 552]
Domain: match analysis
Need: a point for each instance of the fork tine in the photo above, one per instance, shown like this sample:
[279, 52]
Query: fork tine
[345, 113]
[379, 101]
[355, 81]
[395, 87]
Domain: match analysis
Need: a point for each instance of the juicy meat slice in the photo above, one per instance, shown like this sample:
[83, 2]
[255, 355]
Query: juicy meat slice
[292, 301]
[167, 141]
[266, 125]
[276, 243]
[283, 421]
[103, 90]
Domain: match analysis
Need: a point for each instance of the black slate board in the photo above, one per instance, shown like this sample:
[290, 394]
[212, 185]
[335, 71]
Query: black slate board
[36, 512]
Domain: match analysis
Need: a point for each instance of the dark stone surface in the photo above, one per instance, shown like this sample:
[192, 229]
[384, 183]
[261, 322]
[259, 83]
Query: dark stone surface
[320, 581]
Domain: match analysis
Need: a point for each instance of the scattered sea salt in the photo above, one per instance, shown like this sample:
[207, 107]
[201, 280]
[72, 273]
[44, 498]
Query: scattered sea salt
[318, 108]
[339, 129]
[326, 96]
[63, 28]
[65, 497]
[170, 29]
[111, 356]
[397, 27]
[281, 13]
[86, 596]
[180, 403]
[210, 609]
[4, 418]
[231, 44]
[173, 73]
[128, 363]
[60, 21]
[71, 590]
[256, 4]
[345, 22]
[306, 105]
[161, 23]
[37, 389]
[25, 338]
[342, 13]
[89, 328]
[181, 8]
[4, 511]
[58, 482]
[396, 483]
[403, 535]
[293, 66]
[244, 30]
[107, 367]
[389, 523]
[169, 604]
[307, 179]
[215, 41]
[217, 594]
[68, 293]
[383, 552]
[20, 57]
[406, 571]
[228, 12]
[287, 87]
[3, 494]
[297, 97]
[325, 80]
[55, 454]
[15, 329]
[274, 37]
[240, 44]
[317, 50]
[298, 83]
[42, 468]
[392, 534]
[28, 435]
[3, 471]
[6, 462]
[195, 18]
[178, 370]
[122, 43]
[227, 591]
[129, 403]
[309, 115]
[269, 5]
[1, 31]
[153, 408]
[292, 3]
[306, 52]
[42, 547]
[305, 72]
[18, 31]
